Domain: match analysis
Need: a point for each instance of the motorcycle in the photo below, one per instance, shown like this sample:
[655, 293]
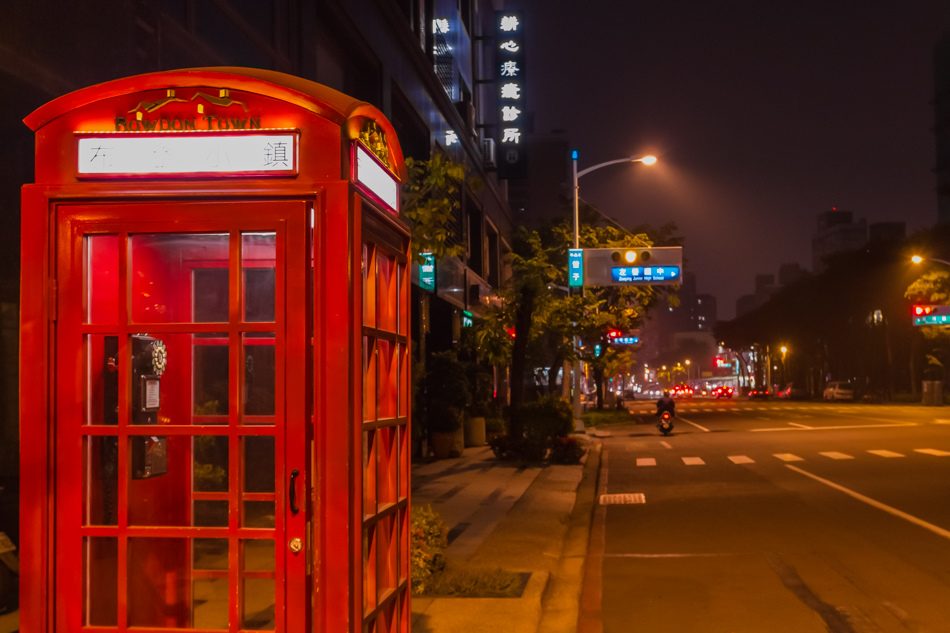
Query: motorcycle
[666, 422]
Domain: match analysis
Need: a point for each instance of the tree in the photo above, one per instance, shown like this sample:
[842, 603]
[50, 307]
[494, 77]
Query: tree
[430, 202]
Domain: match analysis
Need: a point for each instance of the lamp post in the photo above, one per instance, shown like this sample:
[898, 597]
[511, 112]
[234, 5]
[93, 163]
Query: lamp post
[646, 160]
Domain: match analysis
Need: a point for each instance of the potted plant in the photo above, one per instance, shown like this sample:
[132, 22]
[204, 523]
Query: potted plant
[447, 396]
[480, 381]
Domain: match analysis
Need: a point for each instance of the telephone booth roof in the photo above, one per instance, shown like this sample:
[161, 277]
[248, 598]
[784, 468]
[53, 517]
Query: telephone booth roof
[101, 101]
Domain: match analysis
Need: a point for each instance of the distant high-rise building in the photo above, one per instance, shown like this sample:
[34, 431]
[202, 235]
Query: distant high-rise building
[837, 232]
[942, 126]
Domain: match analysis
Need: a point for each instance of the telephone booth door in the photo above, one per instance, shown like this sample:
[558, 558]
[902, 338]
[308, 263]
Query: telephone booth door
[183, 357]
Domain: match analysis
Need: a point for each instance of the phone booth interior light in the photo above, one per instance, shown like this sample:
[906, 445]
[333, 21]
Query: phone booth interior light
[215, 408]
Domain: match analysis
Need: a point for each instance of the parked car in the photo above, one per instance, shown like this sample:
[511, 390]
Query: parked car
[838, 390]
[791, 392]
[722, 392]
[758, 394]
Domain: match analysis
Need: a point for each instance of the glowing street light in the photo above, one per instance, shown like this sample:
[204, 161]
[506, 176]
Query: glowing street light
[917, 259]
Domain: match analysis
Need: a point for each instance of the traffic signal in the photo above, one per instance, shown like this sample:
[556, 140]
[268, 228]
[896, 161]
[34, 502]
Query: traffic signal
[611, 334]
[631, 256]
[923, 310]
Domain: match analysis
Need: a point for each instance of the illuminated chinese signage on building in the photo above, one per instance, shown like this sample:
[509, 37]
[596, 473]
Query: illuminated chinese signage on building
[510, 81]
[136, 154]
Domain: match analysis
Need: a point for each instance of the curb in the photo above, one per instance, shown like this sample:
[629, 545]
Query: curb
[560, 603]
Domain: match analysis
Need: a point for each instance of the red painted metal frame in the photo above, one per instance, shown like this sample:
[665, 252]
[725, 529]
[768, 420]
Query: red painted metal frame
[324, 587]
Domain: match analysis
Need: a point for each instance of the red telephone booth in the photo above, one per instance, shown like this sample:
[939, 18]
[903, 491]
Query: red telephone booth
[214, 360]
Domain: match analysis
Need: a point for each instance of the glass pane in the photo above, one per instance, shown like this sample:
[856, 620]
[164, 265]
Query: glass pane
[101, 379]
[259, 475]
[210, 553]
[259, 555]
[258, 258]
[211, 384]
[210, 609]
[259, 514]
[101, 277]
[160, 498]
[402, 298]
[158, 582]
[210, 295]
[160, 272]
[100, 581]
[258, 604]
[369, 378]
[211, 463]
[387, 377]
[259, 377]
[210, 513]
[369, 285]
[386, 291]
[101, 480]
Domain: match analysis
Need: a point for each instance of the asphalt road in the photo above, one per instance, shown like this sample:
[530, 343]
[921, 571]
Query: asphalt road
[776, 517]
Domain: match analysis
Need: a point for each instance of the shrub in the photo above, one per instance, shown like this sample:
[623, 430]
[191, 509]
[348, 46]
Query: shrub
[477, 583]
[547, 418]
[429, 538]
[566, 450]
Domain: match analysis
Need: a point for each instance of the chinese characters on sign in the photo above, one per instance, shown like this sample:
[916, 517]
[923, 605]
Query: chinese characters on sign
[509, 79]
[575, 267]
[427, 272]
[137, 155]
[646, 274]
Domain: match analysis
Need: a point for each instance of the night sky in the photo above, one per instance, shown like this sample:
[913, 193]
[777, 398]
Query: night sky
[763, 114]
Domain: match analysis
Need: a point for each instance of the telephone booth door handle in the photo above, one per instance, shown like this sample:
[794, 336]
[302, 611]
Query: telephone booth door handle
[293, 491]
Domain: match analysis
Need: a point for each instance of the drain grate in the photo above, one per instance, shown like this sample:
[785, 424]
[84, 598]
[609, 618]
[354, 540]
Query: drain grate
[624, 499]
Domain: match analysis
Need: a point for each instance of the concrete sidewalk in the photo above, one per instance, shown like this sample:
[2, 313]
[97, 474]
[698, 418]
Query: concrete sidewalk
[531, 519]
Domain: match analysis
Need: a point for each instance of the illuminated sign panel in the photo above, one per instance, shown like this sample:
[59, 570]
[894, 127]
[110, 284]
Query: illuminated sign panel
[375, 179]
[654, 265]
[510, 83]
[187, 154]
[626, 340]
[575, 267]
[648, 274]
[427, 272]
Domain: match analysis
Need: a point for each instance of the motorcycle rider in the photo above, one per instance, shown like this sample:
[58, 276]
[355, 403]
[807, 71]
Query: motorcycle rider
[665, 403]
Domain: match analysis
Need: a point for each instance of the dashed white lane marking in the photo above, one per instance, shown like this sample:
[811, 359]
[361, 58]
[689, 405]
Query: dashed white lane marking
[932, 451]
[711, 410]
[788, 457]
[884, 453]
[837, 428]
[941, 421]
[693, 461]
[666, 445]
[801, 426]
[646, 461]
[836, 455]
[876, 504]
[741, 459]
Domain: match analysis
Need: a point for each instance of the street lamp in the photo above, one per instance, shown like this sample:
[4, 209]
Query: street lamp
[646, 160]
[918, 259]
[687, 370]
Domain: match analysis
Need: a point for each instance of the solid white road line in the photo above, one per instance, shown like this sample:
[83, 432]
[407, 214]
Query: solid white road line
[875, 504]
[693, 461]
[884, 453]
[836, 428]
[801, 426]
[788, 457]
[741, 459]
[646, 461]
[836, 455]
[932, 451]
